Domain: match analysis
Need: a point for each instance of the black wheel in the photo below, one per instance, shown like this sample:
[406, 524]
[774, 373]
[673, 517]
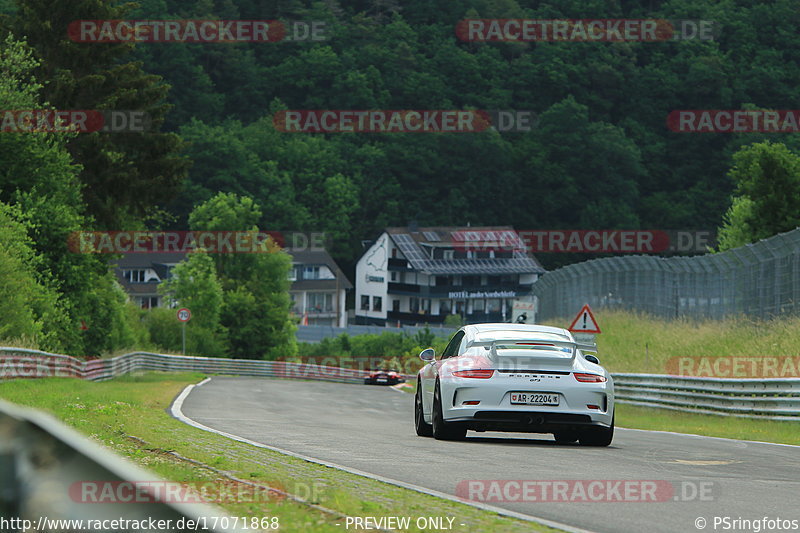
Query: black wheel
[441, 429]
[598, 436]
[565, 437]
[367, 381]
[423, 428]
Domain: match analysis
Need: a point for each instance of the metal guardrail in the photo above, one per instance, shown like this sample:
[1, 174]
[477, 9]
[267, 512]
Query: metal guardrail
[24, 363]
[45, 468]
[775, 399]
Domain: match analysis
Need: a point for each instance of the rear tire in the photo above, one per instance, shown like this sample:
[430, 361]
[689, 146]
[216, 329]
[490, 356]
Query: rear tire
[598, 436]
[423, 428]
[441, 429]
[566, 437]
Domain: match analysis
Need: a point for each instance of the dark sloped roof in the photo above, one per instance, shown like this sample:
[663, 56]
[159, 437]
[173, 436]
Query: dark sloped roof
[411, 245]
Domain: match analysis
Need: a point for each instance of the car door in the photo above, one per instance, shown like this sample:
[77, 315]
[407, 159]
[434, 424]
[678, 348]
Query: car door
[431, 370]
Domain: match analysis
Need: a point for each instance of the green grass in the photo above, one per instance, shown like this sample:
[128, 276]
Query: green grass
[112, 411]
[633, 342]
[632, 416]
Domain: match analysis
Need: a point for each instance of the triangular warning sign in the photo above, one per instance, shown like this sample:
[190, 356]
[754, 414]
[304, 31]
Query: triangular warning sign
[585, 321]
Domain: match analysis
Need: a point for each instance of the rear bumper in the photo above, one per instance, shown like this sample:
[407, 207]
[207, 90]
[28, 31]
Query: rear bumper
[495, 412]
[527, 421]
[390, 381]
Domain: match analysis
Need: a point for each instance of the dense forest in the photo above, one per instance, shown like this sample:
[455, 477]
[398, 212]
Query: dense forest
[601, 154]
[601, 157]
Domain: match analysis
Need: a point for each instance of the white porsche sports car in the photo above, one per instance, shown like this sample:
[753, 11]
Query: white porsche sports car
[515, 377]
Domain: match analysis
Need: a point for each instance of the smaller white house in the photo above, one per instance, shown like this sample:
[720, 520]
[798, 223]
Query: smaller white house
[318, 289]
[140, 274]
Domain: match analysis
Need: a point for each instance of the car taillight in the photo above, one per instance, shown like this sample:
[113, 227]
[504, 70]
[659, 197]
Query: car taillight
[478, 373]
[589, 378]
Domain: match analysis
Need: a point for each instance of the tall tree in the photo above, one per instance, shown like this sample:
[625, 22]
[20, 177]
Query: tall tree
[767, 198]
[127, 176]
[256, 285]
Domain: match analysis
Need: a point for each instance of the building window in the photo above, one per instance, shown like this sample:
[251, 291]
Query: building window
[448, 254]
[470, 280]
[478, 305]
[396, 306]
[444, 307]
[426, 305]
[394, 276]
[148, 302]
[442, 280]
[134, 276]
[311, 272]
[493, 305]
[413, 305]
[470, 254]
[295, 306]
[293, 273]
[365, 303]
[377, 303]
[320, 302]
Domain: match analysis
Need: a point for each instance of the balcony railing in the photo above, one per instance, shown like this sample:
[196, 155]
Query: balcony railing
[404, 288]
[415, 318]
[443, 291]
[396, 263]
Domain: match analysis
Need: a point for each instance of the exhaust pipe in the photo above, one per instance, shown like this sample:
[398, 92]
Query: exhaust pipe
[531, 420]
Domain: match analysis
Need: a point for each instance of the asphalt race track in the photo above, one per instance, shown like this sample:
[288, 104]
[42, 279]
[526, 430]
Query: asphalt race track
[370, 428]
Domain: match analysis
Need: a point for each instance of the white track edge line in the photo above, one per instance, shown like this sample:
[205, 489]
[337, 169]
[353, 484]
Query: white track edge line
[709, 437]
[177, 412]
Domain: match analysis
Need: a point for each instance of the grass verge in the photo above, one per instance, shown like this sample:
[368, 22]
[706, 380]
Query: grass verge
[636, 417]
[112, 412]
[634, 342]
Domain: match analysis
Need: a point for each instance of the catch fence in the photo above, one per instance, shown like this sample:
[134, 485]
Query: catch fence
[760, 280]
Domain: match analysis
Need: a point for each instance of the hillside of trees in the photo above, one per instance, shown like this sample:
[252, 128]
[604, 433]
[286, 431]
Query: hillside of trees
[601, 155]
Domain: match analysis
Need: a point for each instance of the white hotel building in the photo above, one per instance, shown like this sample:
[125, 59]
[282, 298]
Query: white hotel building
[421, 275]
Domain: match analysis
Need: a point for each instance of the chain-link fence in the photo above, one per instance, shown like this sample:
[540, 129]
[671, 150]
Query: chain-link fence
[760, 280]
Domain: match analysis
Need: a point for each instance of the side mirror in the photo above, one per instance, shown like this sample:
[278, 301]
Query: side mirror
[427, 354]
[592, 359]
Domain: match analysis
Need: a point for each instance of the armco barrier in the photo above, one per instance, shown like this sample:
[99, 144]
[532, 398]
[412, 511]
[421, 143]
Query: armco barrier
[775, 399]
[41, 464]
[25, 363]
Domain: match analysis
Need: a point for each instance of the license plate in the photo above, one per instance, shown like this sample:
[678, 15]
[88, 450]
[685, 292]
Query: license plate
[533, 398]
[379, 380]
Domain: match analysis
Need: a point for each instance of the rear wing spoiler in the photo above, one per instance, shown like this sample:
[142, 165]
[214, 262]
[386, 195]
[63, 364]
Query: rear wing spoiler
[491, 344]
